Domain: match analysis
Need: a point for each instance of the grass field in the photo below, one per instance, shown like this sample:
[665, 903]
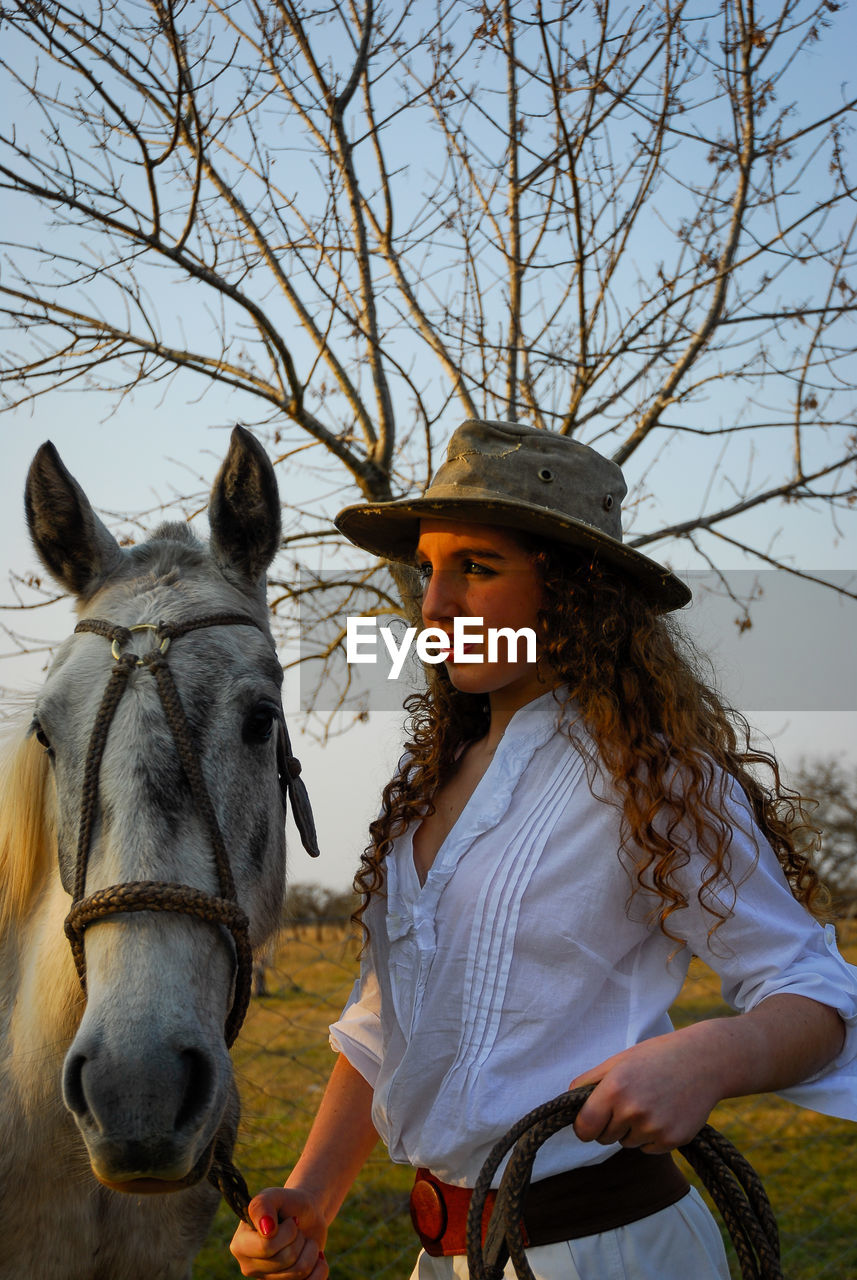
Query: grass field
[282, 1060]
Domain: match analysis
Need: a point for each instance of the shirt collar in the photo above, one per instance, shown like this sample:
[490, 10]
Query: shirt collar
[541, 717]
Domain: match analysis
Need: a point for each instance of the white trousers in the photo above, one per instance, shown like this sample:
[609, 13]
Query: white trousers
[681, 1242]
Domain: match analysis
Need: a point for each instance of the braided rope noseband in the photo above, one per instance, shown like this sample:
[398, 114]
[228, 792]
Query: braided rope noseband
[155, 895]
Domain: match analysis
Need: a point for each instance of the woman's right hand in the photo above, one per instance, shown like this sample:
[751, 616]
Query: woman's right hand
[290, 1224]
[286, 1239]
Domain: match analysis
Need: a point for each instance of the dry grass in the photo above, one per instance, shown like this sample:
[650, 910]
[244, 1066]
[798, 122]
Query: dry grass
[282, 1060]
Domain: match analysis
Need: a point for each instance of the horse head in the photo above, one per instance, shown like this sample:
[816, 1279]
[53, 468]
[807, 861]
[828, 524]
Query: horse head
[196, 810]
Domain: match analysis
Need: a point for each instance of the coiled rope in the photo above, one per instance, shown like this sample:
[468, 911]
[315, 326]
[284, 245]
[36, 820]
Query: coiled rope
[731, 1181]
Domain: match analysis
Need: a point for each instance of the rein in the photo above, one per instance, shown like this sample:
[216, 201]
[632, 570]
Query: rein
[155, 895]
[731, 1181]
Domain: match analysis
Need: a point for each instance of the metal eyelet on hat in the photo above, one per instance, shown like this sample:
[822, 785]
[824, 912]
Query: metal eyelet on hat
[545, 474]
[608, 502]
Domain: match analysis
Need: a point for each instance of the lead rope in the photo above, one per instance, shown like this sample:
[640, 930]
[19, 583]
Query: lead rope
[155, 895]
[733, 1184]
[228, 1180]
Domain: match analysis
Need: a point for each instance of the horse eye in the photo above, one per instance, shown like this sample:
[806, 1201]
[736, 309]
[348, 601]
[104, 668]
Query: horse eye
[42, 738]
[259, 724]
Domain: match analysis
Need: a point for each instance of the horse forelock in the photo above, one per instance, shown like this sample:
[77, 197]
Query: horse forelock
[27, 823]
[173, 558]
[173, 549]
[174, 531]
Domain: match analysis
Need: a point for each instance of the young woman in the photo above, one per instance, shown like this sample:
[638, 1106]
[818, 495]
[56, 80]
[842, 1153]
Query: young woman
[561, 836]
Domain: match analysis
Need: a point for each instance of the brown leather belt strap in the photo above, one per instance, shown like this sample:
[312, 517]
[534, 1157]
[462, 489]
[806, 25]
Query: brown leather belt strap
[624, 1188]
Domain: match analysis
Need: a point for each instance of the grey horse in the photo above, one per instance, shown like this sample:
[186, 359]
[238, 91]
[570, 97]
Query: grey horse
[113, 1095]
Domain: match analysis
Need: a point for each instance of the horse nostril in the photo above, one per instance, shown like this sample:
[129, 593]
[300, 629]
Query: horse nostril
[196, 1094]
[72, 1086]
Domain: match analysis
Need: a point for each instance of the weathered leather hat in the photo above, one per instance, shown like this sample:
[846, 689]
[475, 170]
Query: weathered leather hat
[518, 477]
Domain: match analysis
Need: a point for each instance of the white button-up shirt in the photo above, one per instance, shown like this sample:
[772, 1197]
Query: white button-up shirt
[523, 960]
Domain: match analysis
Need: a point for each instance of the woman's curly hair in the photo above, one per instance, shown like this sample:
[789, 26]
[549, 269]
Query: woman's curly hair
[658, 727]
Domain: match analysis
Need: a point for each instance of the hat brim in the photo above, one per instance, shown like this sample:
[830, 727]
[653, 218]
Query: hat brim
[391, 530]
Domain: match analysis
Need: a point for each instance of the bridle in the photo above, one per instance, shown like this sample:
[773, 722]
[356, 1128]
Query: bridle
[155, 895]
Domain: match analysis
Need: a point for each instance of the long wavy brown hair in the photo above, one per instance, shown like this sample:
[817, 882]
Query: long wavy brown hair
[660, 730]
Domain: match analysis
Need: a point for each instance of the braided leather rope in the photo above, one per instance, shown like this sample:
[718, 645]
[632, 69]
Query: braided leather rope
[733, 1184]
[155, 895]
[159, 895]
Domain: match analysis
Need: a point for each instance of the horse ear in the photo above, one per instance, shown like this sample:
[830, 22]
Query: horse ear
[244, 513]
[72, 543]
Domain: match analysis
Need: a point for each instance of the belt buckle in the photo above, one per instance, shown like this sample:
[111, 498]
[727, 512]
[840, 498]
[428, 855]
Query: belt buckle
[428, 1212]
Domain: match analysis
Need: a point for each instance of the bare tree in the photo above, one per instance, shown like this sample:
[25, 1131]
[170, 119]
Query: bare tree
[634, 225]
[833, 788]
[317, 905]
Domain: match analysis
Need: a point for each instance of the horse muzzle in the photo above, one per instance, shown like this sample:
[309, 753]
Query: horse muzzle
[149, 1119]
[148, 1181]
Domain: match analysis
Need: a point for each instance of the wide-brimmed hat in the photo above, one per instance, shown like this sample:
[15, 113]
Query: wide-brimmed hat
[518, 477]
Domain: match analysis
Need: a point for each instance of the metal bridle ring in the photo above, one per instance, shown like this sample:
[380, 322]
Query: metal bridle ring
[116, 646]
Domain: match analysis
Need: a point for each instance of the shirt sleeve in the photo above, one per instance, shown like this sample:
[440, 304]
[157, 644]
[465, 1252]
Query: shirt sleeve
[357, 1031]
[768, 944]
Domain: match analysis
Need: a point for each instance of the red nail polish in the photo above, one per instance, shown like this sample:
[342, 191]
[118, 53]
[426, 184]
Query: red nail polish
[267, 1226]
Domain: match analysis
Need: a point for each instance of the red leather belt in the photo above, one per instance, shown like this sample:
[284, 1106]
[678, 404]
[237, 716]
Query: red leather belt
[624, 1188]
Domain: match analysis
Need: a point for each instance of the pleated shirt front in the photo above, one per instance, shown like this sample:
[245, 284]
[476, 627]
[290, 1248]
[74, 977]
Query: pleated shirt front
[524, 959]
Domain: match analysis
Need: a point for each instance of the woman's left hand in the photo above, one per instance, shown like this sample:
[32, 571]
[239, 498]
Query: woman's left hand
[656, 1095]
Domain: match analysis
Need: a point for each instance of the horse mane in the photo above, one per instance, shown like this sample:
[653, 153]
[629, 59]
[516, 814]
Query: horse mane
[27, 824]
